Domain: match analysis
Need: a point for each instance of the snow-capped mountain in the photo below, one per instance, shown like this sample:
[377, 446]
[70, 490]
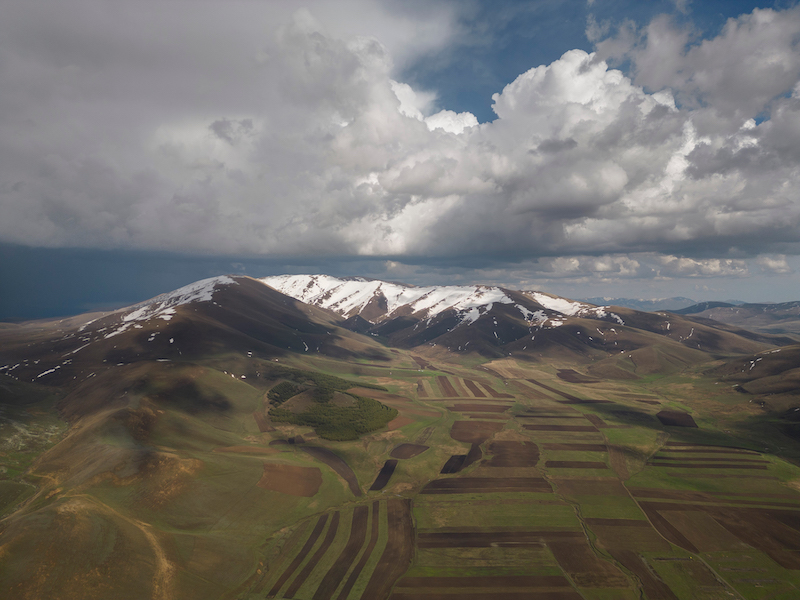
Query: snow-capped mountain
[376, 301]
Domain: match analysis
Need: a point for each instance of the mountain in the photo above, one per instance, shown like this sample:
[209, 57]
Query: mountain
[652, 305]
[495, 322]
[780, 318]
[294, 437]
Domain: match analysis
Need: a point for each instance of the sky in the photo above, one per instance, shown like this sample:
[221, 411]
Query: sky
[581, 147]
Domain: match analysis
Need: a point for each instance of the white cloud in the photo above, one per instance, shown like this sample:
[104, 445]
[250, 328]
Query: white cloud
[297, 138]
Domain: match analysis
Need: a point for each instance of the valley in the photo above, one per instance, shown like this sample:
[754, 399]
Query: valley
[514, 445]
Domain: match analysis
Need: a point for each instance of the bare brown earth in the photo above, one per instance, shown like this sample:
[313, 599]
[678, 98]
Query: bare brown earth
[706, 459]
[574, 464]
[526, 581]
[576, 447]
[247, 450]
[338, 464]
[304, 551]
[486, 416]
[421, 393]
[398, 422]
[490, 408]
[474, 389]
[373, 541]
[454, 464]
[709, 450]
[488, 539]
[500, 595]
[312, 564]
[513, 454]
[493, 392]
[651, 584]
[262, 421]
[597, 421]
[385, 474]
[573, 376]
[560, 427]
[408, 450]
[706, 466]
[548, 587]
[467, 485]
[334, 576]
[576, 557]
[474, 432]
[399, 551]
[289, 479]
[676, 418]
[446, 387]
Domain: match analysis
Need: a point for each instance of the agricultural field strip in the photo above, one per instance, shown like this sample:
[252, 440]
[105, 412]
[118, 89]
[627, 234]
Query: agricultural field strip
[338, 464]
[542, 595]
[384, 475]
[397, 554]
[301, 555]
[362, 561]
[315, 560]
[337, 571]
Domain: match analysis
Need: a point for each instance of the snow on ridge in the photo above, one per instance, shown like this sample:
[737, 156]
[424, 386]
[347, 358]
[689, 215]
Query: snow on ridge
[163, 306]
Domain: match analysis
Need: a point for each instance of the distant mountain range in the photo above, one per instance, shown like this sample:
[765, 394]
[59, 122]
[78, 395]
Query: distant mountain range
[781, 318]
[672, 304]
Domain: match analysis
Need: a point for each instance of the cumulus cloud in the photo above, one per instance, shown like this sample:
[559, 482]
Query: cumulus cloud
[296, 138]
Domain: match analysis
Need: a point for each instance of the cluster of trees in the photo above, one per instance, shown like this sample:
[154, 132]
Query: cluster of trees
[318, 379]
[339, 423]
[282, 392]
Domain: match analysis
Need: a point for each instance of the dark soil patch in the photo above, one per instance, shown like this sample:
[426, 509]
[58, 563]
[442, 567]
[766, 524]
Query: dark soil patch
[493, 392]
[513, 454]
[408, 450]
[665, 528]
[446, 387]
[690, 459]
[555, 391]
[650, 402]
[572, 376]
[576, 447]
[421, 393]
[385, 474]
[486, 416]
[454, 464]
[584, 566]
[334, 576]
[597, 421]
[312, 564]
[487, 539]
[540, 595]
[676, 418]
[373, 541]
[652, 586]
[335, 462]
[396, 558]
[709, 450]
[288, 479]
[474, 389]
[526, 581]
[467, 485]
[424, 364]
[575, 464]
[578, 401]
[262, 421]
[616, 523]
[764, 531]
[474, 432]
[560, 427]
[490, 408]
[279, 443]
[706, 466]
[247, 450]
[289, 571]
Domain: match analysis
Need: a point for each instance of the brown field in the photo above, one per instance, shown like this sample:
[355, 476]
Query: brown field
[491, 408]
[408, 450]
[468, 485]
[555, 391]
[312, 564]
[488, 539]
[493, 392]
[597, 421]
[722, 476]
[288, 479]
[262, 421]
[398, 553]
[530, 391]
[289, 571]
[560, 427]
[474, 389]
[421, 393]
[763, 530]
[446, 387]
[526, 581]
[536, 416]
[709, 450]
[706, 459]
[335, 462]
[676, 418]
[576, 447]
[628, 534]
[454, 464]
[590, 487]
[513, 454]
[702, 530]
[575, 464]
[474, 432]
[671, 533]
[705, 466]
[584, 566]
[247, 450]
[650, 402]
[398, 422]
[424, 364]
[385, 474]
[459, 387]
[373, 541]
[540, 595]
[652, 586]
[486, 416]
[573, 376]
[334, 576]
